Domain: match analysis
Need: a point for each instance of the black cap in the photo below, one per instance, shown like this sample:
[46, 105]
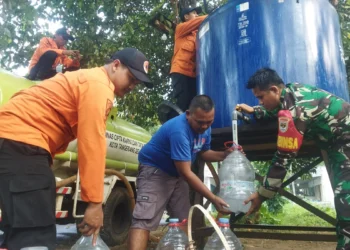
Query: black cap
[136, 62]
[188, 10]
[65, 34]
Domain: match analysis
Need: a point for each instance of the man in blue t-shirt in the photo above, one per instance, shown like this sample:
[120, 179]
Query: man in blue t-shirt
[165, 170]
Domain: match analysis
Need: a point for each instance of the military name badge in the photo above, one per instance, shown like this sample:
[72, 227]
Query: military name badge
[283, 124]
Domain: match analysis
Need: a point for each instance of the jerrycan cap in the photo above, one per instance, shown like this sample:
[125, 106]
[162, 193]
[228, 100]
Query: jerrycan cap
[174, 222]
[224, 220]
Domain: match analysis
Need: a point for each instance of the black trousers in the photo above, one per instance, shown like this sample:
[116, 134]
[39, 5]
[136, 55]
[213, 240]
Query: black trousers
[184, 89]
[43, 69]
[27, 196]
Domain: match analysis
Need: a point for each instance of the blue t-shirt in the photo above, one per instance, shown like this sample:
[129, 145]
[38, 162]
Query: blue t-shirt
[175, 140]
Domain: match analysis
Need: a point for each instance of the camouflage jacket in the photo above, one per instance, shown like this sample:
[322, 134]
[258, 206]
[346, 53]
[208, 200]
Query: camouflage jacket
[315, 114]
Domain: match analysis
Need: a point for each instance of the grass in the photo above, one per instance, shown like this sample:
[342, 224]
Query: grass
[294, 215]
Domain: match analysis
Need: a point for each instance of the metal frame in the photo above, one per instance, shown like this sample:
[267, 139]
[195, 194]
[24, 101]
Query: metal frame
[325, 237]
[300, 202]
[252, 138]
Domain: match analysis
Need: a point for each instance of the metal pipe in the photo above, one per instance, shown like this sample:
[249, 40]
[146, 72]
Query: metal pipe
[234, 127]
[301, 172]
[217, 182]
[107, 172]
[126, 183]
[66, 182]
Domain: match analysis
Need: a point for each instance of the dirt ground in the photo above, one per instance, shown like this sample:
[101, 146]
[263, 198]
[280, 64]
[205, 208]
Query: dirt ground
[67, 241]
[257, 244]
[254, 244]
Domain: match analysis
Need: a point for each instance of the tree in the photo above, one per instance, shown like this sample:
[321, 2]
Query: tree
[343, 8]
[187, 3]
[101, 28]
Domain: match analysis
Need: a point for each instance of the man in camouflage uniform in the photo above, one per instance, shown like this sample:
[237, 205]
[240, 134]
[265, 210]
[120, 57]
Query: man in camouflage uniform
[304, 111]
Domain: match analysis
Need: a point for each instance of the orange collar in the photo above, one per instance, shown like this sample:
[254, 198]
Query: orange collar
[110, 82]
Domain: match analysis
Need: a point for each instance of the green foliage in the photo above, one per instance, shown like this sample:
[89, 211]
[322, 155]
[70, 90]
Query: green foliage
[290, 215]
[294, 215]
[343, 9]
[154, 129]
[18, 32]
[298, 164]
[187, 3]
[267, 212]
[266, 216]
[101, 28]
[276, 204]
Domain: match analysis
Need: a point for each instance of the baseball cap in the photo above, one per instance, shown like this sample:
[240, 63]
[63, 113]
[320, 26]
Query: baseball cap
[136, 62]
[188, 10]
[65, 34]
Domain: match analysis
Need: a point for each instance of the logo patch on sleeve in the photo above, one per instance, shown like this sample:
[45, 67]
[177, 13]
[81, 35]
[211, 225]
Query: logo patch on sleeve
[109, 106]
[283, 124]
[289, 138]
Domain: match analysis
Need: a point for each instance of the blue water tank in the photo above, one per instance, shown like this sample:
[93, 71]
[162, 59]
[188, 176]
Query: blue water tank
[300, 39]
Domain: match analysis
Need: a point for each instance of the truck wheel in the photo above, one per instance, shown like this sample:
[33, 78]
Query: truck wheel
[117, 217]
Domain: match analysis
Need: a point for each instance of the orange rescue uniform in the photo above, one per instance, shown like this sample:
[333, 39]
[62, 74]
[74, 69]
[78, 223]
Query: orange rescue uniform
[58, 110]
[184, 58]
[47, 44]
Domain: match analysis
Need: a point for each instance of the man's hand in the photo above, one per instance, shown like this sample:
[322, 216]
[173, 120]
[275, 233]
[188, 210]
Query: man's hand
[78, 56]
[256, 201]
[73, 53]
[245, 108]
[220, 205]
[92, 222]
[228, 151]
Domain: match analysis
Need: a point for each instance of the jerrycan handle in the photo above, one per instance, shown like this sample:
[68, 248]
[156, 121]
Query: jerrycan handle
[233, 145]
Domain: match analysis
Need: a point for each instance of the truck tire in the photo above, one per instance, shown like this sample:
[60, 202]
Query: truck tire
[117, 217]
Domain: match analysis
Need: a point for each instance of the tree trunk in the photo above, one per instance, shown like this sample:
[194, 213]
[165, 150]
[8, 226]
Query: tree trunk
[175, 6]
[187, 3]
[334, 2]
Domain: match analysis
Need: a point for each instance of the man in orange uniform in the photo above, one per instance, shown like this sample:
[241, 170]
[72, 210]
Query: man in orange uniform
[52, 52]
[183, 63]
[38, 123]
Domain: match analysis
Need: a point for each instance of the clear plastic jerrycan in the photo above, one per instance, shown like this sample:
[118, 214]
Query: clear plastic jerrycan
[215, 243]
[236, 181]
[85, 243]
[174, 239]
